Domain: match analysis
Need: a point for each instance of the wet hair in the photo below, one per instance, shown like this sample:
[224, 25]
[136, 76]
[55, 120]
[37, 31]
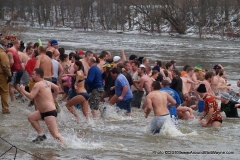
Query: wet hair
[125, 63]
[61, 51]
[39, 71]
[164, 65]
[79, 64]
[159, 63]
[154, 72]
[36, 45]
[143, 69]
[189, 69]
[168, 65]
[120, 65]
[159, 77]
[29, 43]
[28, 48]
[95, 59]
[103, 54]
[220, 72]
[42, 49]
[49, 54]
[172, 61]
[76, 56]
[165, 83]
[70, 55]
[186, 67]
[165, 72]
[176, 72]
[148, 67]
[88, 53]
[208, 75]
[15, 42]
[156, 85]
[144, 60]
[35, 53]
[115, 70]
[136, 63]
[62, 57]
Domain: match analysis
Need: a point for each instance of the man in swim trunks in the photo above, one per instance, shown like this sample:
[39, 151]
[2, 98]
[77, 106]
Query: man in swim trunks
[158, 101]
[46, 110]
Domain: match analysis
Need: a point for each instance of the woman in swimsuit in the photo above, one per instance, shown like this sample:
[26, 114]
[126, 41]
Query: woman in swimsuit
[82, 95]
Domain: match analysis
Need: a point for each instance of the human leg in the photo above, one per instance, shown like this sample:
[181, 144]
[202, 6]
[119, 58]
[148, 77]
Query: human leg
[52, 127]
[217, 123]
[33, 118]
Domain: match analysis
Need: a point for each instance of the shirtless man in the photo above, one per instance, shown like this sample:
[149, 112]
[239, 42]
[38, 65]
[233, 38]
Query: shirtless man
[222, 85]
[215, 81]
[145, 81]
[207, 81]
[102, 57]
[45, 63]
[29, 51]
[46, 110]
[187, 81]
[158, 101]
[52, 46]
[85, 60]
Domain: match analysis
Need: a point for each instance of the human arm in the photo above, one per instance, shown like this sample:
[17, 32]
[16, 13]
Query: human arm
[171, 100]
[124, 91]
[209, 115]
[147, 106]
[237, 105]
[33, 92]
[202, 115]
[123, 56]
[55, 88]
[37, 65]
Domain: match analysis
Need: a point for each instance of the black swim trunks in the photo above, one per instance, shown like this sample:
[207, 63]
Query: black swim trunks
[49, 113]
[218, 120]
[85, 95]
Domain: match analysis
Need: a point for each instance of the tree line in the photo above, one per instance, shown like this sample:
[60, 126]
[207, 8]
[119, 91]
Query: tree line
[204, 16]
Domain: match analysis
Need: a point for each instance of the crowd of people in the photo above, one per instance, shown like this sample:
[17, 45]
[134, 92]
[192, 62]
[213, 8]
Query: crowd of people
[84, 79]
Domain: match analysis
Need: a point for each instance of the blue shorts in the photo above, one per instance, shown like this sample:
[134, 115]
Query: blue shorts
[126, 105]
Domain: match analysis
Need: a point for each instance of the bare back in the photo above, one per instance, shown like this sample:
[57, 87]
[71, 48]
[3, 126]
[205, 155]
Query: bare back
[158, 101]
[44, 98]
[54, 51]
[214, 84]
[186, 87]
[45, 63]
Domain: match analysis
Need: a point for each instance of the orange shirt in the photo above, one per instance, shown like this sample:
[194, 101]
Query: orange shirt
[210, 102]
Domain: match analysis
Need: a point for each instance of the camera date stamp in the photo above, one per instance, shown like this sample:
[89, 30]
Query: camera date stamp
[192, 152]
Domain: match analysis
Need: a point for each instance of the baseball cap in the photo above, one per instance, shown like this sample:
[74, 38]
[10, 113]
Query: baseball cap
[142, 66]
[133, 57]
[116, 58]
[54, 42]
[80, 52]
